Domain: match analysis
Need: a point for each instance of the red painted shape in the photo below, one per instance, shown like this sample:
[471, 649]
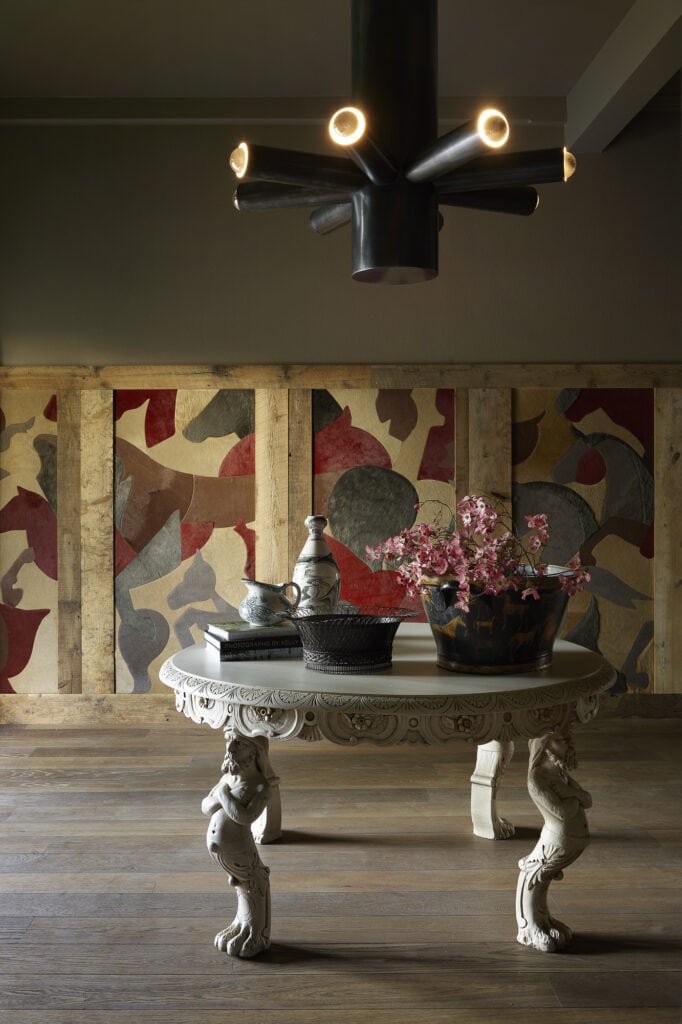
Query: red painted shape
[646, 548]
[249, 537]
[123, 552]
[193, 536]
[591, 468]
[159, 420]
[361, 586]
[343, 446]
[21, 625]
[632, 408]
[241, 459]
[438, 458]
[30, 512]
[50, 410]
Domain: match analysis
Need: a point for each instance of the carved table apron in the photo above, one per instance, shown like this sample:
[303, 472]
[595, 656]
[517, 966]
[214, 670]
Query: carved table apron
[413, 702]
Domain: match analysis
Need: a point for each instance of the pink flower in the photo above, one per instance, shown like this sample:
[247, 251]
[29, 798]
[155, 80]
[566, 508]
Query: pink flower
[478, 547]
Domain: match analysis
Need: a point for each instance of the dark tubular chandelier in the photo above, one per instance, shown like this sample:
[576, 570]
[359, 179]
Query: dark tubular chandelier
[395, 171]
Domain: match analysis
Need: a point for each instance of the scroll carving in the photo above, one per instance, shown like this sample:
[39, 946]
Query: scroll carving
[564, 836]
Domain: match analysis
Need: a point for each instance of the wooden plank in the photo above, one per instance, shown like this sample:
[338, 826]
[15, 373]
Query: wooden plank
[97, 527]
[520, 375]
[407, 375]
[189, 376]
[461, 443]
[300, 470]
[490, 442]
[668, 541]
[272, 485]
[88, 709]
[68, 541]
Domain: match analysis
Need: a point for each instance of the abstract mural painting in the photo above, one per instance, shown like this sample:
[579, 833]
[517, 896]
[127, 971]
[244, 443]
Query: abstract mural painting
[28, 552]
[184, 511]
[585, 457]
[376, 455]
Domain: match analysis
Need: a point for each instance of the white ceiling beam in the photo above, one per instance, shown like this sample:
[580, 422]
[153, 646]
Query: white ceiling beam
[640, 56]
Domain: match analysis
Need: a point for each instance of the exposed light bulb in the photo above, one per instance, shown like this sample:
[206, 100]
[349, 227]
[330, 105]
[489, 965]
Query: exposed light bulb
[570, 163]
[493, 128]
[347, 126]
[239, 159]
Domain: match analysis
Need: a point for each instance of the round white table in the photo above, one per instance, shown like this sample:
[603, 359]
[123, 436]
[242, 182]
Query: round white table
[413, 702]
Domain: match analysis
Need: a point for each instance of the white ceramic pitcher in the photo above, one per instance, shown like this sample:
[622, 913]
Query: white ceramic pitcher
[266, 604]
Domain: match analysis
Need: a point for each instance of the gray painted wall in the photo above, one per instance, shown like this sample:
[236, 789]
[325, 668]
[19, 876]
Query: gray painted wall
[119, 245]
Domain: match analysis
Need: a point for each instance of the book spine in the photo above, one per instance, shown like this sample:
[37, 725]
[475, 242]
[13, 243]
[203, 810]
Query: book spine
[259, 654]
[248, 635]
[268, 644]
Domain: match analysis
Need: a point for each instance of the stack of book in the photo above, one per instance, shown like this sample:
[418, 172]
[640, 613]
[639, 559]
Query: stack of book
[240, 641]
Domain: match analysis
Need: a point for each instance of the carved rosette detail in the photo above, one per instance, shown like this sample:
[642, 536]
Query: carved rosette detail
[201, 709]
[587, 707]
[275, 723]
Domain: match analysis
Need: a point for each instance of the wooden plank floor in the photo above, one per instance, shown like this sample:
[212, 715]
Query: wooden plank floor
[385, 908]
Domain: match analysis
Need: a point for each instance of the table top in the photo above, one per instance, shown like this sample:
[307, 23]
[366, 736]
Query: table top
[413, 684]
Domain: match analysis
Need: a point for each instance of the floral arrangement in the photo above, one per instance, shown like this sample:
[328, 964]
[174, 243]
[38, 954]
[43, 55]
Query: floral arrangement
[478, 547]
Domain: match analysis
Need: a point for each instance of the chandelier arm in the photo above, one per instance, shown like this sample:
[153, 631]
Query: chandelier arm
[378, 167]
[328, 218]
[521, 201]
[252, 196]
[348, 129]
[530, 167]
[490, 130]
[294, 167]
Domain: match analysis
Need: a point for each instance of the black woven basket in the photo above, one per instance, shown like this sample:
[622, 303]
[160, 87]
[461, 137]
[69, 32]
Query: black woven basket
[349, 642]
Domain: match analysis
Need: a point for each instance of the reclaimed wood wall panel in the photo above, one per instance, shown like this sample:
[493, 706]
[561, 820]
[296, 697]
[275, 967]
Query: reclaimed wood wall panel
[489, 431]
[403, 375]
[97, 527]
[284, 490]
[69, 526]
[461, 443]
[272, 485]
[668, 541]
[300, 470]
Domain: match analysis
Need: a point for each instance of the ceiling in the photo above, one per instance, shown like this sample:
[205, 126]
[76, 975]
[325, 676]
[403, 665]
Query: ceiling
[588, 66]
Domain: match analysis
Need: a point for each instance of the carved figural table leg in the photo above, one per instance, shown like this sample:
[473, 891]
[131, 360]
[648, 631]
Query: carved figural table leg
[267, 828]
[562, 803]
[491, 761]
[237, 801]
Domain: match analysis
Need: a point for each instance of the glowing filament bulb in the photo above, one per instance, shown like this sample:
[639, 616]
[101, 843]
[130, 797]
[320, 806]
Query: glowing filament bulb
[569, 164]
[493, 128]
[347, 126]
[239, 159]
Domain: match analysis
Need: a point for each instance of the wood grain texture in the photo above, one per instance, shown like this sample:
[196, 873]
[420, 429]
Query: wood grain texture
[461, 443]
[490, 442]
[272, 485]
[97, 531]
[300, 470]
[334, 375]
[87, 709]
[668, 541]
[386, 910]
[69, 541]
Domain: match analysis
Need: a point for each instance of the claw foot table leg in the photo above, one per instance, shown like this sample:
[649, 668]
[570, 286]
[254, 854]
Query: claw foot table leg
[491, 762]
[564, 836]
